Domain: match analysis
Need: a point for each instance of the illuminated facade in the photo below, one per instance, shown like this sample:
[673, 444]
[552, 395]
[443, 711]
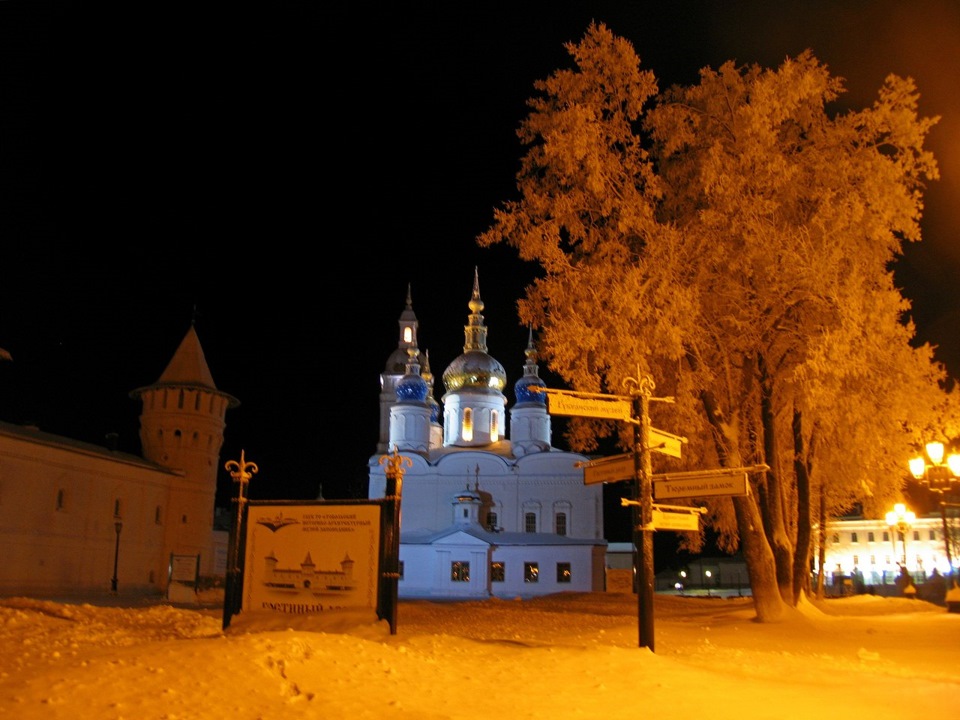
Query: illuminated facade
[871, 550]
[483, 515]
[73, 514]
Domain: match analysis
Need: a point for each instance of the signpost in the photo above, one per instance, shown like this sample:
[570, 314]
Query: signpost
[647, 517]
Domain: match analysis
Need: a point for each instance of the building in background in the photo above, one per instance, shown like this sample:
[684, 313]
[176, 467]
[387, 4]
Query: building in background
[483, 515]
[866, 553]
[78, 518]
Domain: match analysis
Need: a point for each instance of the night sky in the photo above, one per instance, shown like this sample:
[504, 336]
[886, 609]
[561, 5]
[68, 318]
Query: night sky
[281, 173]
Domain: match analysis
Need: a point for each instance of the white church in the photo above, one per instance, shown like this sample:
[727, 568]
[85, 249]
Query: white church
[484, 513]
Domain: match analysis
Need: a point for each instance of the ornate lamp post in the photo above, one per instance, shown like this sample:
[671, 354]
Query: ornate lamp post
[241, 472]
[939, 477]
[117, 526]
[901, 520]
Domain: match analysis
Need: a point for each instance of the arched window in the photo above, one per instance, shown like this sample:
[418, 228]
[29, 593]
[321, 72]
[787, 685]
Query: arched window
[561, 523]
[494, 426]
[530, 522]
[468, 424]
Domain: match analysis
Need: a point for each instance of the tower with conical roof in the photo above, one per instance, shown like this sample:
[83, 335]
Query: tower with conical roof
[182, 422]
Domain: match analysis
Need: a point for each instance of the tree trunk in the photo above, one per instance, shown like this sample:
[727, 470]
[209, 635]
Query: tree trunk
[757, 555]
[773, 499]
[801, 558]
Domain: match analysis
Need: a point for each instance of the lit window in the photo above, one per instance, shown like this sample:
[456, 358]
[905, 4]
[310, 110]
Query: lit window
[494, 426]
[468, 424]
[563, 572]
[561, 523]
[460, 571]
[491, 521]
[497, 572]
[530, 522]
[531, 572]
[408, 334]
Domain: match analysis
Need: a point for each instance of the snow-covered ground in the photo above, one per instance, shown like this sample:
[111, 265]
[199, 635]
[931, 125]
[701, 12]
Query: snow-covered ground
[565, 656]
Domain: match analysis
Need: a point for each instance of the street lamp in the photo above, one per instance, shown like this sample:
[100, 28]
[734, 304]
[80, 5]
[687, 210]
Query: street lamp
[118, 526]
[901, 520]
[939, 477]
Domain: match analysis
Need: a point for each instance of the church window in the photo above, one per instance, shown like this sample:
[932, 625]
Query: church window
[460, 571]
[407, 334]
[563, 572]
[468, 424]
[498, 572]
[492, 521]
[61, 499]
[494, 426]
[561, 523]
[530, 522]
[531, 572]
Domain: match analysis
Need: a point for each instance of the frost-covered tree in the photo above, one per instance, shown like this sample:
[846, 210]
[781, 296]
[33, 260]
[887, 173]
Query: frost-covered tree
[733, 240]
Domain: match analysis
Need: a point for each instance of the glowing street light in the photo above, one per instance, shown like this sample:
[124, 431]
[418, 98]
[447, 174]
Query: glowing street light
[939, 477]
[901, 520]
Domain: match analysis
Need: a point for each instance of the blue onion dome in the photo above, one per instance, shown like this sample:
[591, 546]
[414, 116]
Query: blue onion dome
[525, 387]
[475, 369]
[431, 400]
[411, 387]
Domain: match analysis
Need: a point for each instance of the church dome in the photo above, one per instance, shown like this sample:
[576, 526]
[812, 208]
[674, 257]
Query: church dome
[525, 389]
[475, 370]
[412, 387]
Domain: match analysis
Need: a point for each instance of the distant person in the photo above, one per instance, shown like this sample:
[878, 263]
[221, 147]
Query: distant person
[904, 581]
[935, 588]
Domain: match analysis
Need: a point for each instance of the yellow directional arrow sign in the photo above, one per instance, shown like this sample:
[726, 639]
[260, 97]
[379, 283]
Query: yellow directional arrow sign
[612, 409]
